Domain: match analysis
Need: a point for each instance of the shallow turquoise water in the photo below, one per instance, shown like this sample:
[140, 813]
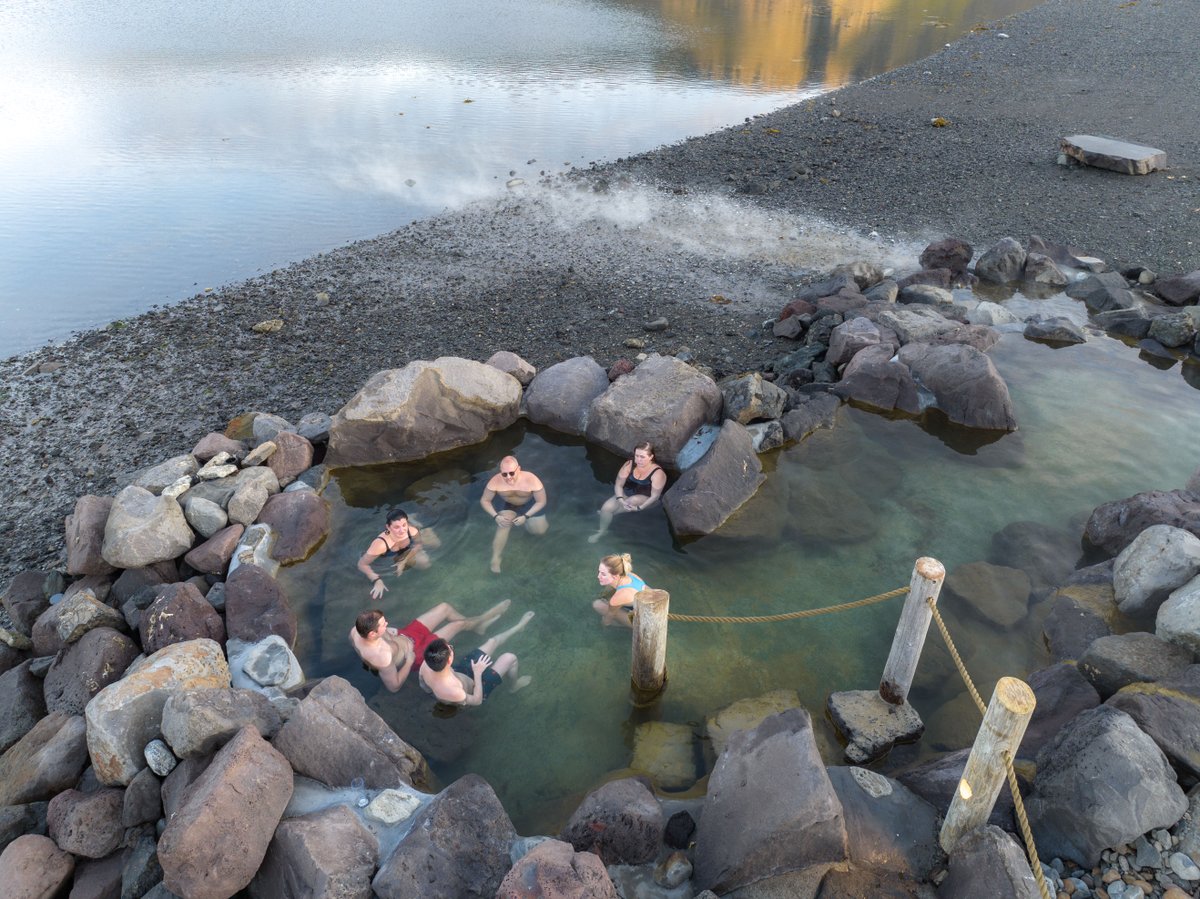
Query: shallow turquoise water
[841, 516]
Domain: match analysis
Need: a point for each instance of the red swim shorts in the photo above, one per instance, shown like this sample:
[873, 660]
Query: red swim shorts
[421, 637]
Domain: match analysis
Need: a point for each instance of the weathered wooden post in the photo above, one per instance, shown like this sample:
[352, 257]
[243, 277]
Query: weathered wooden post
[926, 582]
[1003, 727]
[649, 673]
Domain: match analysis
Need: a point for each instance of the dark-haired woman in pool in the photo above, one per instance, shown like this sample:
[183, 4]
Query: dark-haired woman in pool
[400, 543]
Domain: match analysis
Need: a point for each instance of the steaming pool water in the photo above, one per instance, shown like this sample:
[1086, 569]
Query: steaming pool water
[842, 515]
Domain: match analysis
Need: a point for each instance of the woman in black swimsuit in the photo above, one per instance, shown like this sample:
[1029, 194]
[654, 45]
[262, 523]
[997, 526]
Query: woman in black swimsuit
[638, 486]
[399, 541]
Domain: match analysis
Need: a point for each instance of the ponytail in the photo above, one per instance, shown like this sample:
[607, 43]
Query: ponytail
[619, 566]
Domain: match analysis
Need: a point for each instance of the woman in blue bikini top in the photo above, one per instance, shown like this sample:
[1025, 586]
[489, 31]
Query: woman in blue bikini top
[617, 572]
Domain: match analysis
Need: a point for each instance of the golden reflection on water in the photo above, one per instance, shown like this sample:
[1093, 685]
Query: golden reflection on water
[788, 44]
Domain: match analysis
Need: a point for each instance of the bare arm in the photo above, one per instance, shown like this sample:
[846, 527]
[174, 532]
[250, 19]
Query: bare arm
[619, 483]
[658, 481]
[364, 565]
[394, 676]
[539, 502]
[478, 666]
[486, 501]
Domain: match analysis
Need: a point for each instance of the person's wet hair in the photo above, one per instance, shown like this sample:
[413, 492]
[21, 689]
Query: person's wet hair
[437, 654]
[647, 446]
[397, 515]
[367, 621]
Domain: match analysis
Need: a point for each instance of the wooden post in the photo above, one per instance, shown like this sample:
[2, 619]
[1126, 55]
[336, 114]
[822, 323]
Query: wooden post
[926, 582]
[649, 673]
[1003, 727]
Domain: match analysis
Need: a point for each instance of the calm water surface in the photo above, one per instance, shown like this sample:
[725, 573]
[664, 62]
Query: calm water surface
[149, 150]
[842, 516]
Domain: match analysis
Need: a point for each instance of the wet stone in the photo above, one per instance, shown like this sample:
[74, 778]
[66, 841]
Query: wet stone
[1112, 154]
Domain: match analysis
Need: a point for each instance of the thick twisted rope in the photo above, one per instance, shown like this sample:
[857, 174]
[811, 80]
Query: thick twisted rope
[1022, 819]
[789, 616]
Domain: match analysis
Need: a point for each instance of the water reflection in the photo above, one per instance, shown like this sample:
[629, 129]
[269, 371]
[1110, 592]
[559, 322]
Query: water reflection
[151, 150]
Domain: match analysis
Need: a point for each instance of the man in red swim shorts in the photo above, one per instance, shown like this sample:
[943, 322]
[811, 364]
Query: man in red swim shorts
[394, 654]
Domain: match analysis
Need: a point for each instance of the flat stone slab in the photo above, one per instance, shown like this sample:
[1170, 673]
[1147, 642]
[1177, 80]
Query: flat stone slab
[870, 725]
[1114, 155]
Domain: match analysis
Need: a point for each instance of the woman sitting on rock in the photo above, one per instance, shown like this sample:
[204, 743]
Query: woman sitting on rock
[638, 486]
[400, 542]
[616, 572]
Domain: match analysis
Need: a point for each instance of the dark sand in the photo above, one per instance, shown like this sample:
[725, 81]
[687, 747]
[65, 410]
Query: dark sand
[576, 266]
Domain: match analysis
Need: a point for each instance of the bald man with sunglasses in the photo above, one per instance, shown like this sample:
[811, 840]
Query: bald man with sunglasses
[524, 498]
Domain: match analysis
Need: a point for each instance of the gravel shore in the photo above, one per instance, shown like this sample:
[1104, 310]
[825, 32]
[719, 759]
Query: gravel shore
[714, 234]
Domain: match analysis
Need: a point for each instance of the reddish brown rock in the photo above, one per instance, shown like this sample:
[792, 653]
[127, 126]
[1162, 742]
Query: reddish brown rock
[68, 620]
[213, 555]
[621, 822]
[796, 307]
[333, 737]
[293, 455]
[951, 253]
[212, 443]
[85, 535]
[32, 867]
[87, 824]
[458, 846]
[619, 368]
[179, 614]
[86, 667]
[218, 838]
[554, 870]
[301, 521]
[46, 761]
[328, 853]
[256, 606]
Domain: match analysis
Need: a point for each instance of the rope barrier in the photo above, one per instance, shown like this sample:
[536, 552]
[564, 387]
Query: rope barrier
[1018, 805]
[788, 616]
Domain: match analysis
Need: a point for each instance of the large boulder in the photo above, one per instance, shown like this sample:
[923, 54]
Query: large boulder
[1178, 618]
[1102, 762]
[851, 337]
[458, 846]
[86, 667]
[873, 378]
[333, 737]
[663, 401]
[749, 398]
[46, 761]
[561, 395]
[1103, 292]
[28, 596]
[213, 555]
[913, 324]
[988, 862]
[32, 867]
[949, 253]
[937, 780]
[554, 870]
[22, 703]
[1179, 290]
[293, 455]
[621, 822]
[197, 722]
[1169, 711]
[125, 716]
[177, 615]
[301, 522]
[1113, 526]
[143, 528]
[889, 827]
[1061, 693]
[1113, 662]
[965, 383]
[1159, 560]
[1002, 263]
[84, 536]
[327, 853]
[218, 837]
[421, 409]
[68, 620]
[87, 824]
[1079, 614]
[257, 606]
[716, 486]
[746, 714]
[750, 829]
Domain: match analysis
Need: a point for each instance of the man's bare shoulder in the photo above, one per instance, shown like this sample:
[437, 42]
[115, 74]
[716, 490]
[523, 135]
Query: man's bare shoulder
[532, 483]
